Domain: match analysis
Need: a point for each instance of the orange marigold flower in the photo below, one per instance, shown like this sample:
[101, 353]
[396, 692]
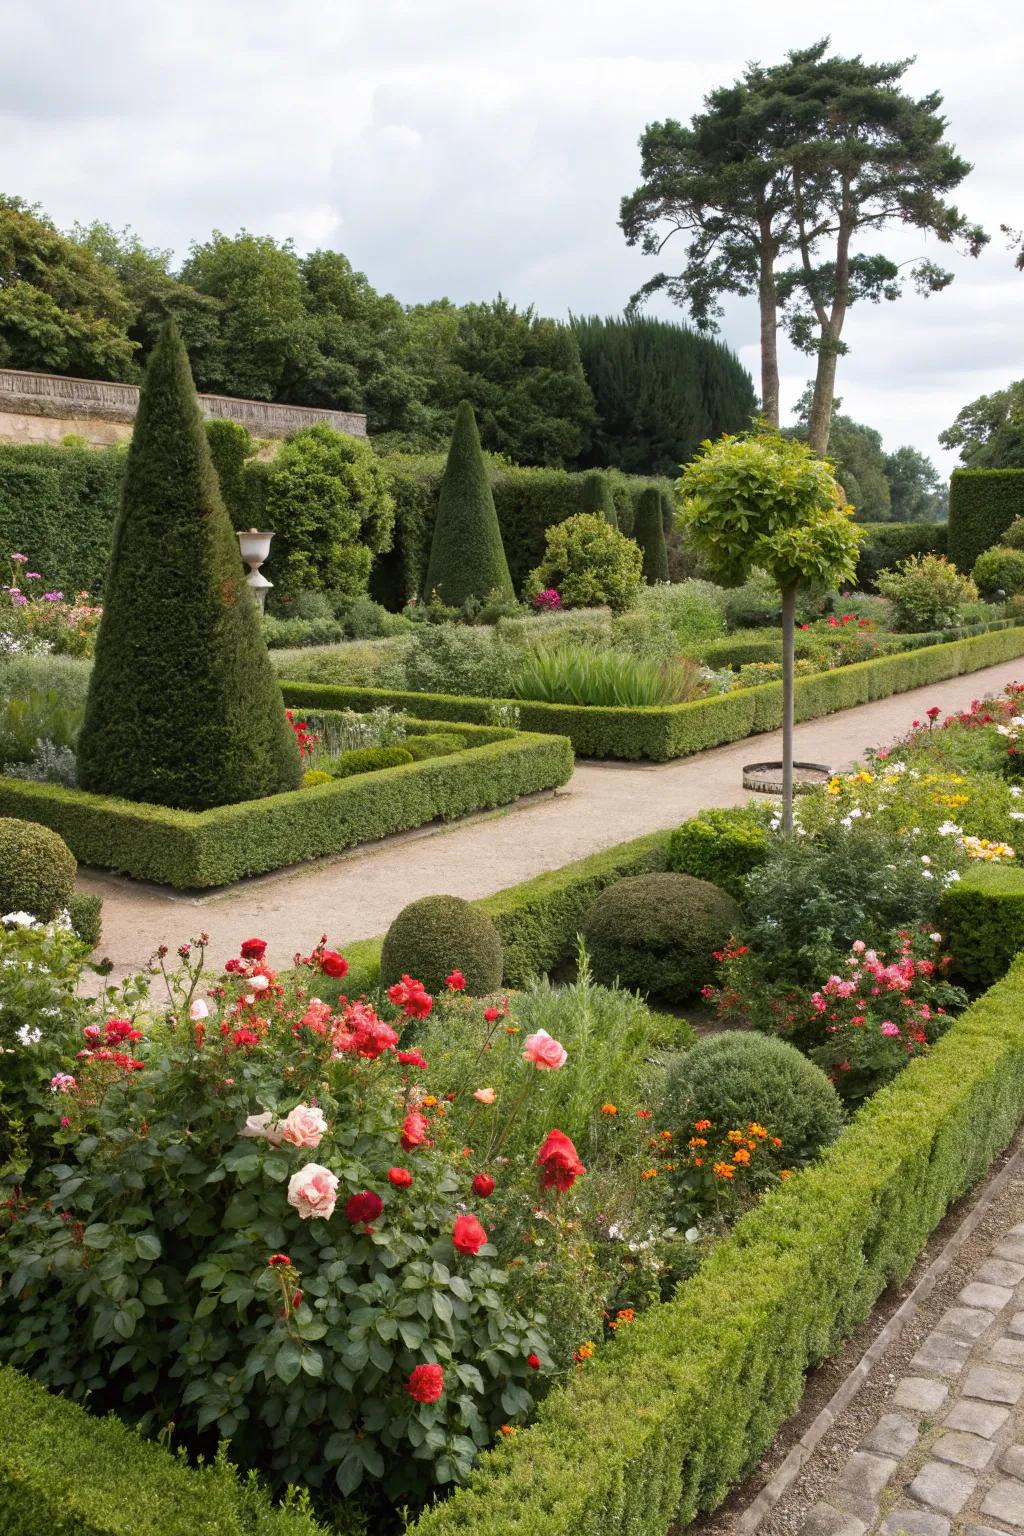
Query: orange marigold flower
[734, 1136]
[785, 1173]
[698, 1162]
[649, 1173]
[752, 1146]
[625, 1315]
[665, 1135]
[511, 1029]
[644, 1114]
[723, 1171]
[609, 1109]
[776, 1141]
[698, 1141]
[429, 1101]
[757, 1130]
[702, 1125]
[741, 1155]
[507, 1429]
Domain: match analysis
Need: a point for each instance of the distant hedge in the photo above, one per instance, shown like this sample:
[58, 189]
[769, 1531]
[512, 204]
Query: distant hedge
[886, 544]
[982, 505]
[57, 506]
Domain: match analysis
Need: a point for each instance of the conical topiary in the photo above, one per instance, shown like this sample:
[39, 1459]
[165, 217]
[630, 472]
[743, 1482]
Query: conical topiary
[668, 512]
[597, 497]
[183, 707]
[467, 557]
[649, 533]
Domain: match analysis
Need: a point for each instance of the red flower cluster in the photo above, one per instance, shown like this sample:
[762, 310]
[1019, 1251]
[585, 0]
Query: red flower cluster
[425, 1384]
[305, 737]
[253, 949]
[363, 1207]
[401, 1178]
[359, 1032]
[456, 982]
[414, 1131]
[468, 1236]
[559, 1162]
[412, 1059]
[412, 997]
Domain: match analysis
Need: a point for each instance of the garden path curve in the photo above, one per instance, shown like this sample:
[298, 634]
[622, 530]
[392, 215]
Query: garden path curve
[356, 895]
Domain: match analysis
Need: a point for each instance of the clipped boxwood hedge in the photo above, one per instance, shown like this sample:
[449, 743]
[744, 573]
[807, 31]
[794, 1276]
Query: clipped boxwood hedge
[681, 1405]
[660, 733]
[64, 1472]
[982, 505]
[192, 849]
[982, 918]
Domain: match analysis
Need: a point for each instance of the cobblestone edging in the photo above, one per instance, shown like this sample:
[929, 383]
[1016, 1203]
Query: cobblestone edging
[947, 1457]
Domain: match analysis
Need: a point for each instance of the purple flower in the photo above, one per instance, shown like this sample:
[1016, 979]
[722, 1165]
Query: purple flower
[33, 576]
[18, 598]
[53, 597]
[22, 558]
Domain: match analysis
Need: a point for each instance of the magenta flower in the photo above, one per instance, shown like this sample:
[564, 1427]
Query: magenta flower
[18, 598]
[53, 597]
[33, 576]
[23, 559]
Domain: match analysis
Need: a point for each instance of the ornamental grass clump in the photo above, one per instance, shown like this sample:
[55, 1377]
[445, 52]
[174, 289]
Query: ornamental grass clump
[580, 674]
[183, 707]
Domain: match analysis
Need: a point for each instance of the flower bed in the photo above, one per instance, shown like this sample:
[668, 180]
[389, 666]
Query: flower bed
[660, 733]
[208, 848]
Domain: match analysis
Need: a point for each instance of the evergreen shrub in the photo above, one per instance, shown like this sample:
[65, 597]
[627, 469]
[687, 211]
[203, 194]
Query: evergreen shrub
[649, 533]
[37, 869]
[467, 558]
[721, 845]
[657, 933]
[982, 505]
[436, 935]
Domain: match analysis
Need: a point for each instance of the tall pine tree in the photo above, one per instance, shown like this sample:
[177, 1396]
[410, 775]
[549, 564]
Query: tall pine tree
[183, 709]
[467, 557]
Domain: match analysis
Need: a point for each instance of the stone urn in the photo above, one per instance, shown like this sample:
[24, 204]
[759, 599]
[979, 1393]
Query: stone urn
[255, 547]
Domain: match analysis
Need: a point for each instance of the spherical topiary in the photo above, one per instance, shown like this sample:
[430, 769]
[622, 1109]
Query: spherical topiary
[37, 869]
[735, 1078]
[999, 569]
[436, 935]
[657, 933]
[721, 845]
[1013, 538]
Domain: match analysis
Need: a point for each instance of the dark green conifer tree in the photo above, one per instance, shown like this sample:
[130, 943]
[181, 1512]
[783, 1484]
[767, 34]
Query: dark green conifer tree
[467, 557]
[649, 533]
[183, 709]
[597, 497]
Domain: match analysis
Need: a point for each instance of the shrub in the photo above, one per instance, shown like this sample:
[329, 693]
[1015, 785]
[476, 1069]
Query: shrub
[58, 505]
[982, 918]
[314, 776]
[367, 620]
[589, 563]
[649, 533]
[928, 592]
[436, 744]
[721, 846]
[1013, 538]
[657, 933]
[436, 935]
[183, 707]
[578, 674]
[37, 869]
[885, 544]
[982, 505]
[36, 718]
[1000, 568]
[735, 1078]
[467, 558]
[86, 913]
[368, 760]
[459, 659]
[231, 445]
[694, 610]
[596, 497]
[328, 502]
[754, 603]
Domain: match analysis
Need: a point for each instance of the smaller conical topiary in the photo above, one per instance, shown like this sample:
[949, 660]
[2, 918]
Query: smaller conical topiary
[467, 557]
[183, 707]
[668, 512]
[649, 533]
[597, 497]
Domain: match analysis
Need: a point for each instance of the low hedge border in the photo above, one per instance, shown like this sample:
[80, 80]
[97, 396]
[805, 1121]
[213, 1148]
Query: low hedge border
[982, 918]
[195, 850]
[767, 646]
[660, 733]
[684, 1403]
[64, 1472]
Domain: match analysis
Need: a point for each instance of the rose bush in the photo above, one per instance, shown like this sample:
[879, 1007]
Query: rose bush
[256, 1229]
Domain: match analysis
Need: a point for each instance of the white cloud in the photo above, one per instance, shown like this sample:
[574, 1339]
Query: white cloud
[453, 147]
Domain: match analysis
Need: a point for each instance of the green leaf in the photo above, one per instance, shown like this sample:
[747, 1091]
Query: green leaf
[288, 1362]
[312, 1362]
[443, 1307]
[148, 1245]
[276, 1166]
[204, 1306]
[413, 1331]
[350, 1473]
[124, 1325]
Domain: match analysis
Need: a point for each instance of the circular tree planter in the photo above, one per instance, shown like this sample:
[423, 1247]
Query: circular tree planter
[766, 778]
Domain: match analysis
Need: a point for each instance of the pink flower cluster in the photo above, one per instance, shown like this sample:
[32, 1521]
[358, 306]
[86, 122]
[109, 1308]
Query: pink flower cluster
[548, 601]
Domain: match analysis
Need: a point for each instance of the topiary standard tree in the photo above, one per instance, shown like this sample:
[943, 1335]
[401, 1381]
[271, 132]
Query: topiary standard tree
[649, 533]
[467, 557]
[769, 502]
[596, 496]
[183, 708]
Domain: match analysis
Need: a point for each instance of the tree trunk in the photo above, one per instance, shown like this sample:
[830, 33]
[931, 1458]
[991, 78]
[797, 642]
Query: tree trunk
[788, 651]
[769, 335]
[820, 423]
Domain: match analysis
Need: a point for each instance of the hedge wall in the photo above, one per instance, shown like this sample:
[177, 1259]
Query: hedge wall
[766, 644]
[982, 505]
[192, 849]
[888, 543]
[659, 733]
[982, 917]
[57, 506]
[64, 1472]
[681, 1405]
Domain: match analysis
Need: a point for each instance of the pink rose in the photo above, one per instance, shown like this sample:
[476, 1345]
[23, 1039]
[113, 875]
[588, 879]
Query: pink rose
[262, 1127]
[313, 1191]
[485, 1095]
[544, 1051]
[303, 1126]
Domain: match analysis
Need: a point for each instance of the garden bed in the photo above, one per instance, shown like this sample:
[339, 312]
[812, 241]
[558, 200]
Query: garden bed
[193, 850]
[660, 733]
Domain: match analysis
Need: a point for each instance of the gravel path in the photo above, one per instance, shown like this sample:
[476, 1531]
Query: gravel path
[356, 895]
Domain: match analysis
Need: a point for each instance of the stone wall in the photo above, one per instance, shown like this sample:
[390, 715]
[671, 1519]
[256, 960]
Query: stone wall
[44, 407]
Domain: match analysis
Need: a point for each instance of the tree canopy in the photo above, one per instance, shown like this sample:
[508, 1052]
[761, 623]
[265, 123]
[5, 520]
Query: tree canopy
[990, 431]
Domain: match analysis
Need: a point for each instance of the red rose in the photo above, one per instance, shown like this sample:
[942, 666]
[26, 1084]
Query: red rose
[364, 1207]
[333, 964]
[412, 1059]
[401, 1178]
[533, 1361]
[456, 981]
[253, 949]
[414, 1131]
[559, 1162]
[412, 997]
[468, 1235]
[426, 1383]
[483, 1185]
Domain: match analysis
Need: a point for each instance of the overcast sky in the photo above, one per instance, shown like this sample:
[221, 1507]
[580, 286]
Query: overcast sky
[459, 147]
